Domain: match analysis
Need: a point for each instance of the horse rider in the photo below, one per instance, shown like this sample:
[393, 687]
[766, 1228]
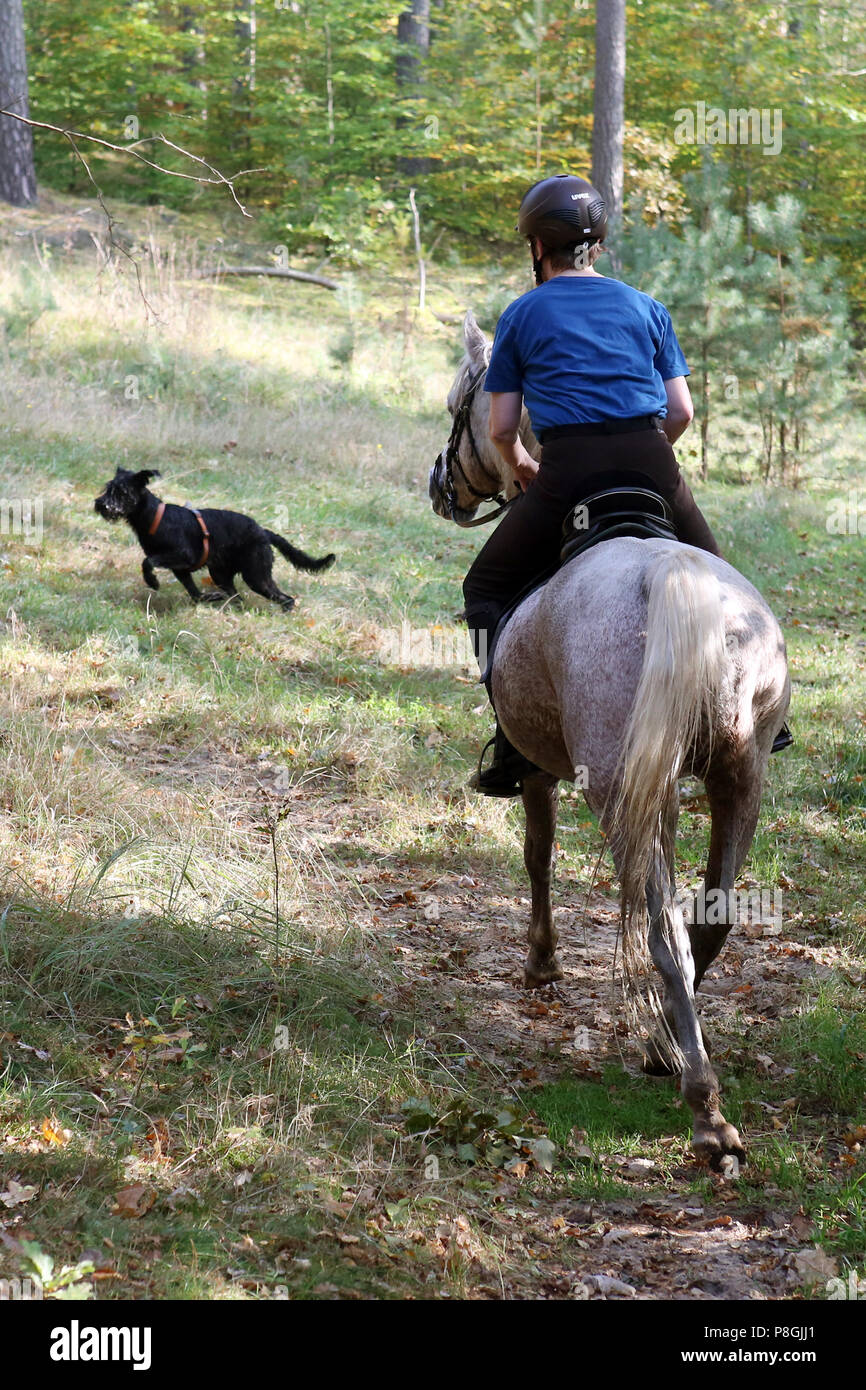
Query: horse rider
[603, 377]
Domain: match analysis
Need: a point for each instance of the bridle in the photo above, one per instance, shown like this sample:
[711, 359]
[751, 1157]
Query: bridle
[463, 423]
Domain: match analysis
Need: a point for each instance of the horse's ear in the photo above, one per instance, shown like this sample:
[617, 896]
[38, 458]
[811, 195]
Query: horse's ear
[475, 341]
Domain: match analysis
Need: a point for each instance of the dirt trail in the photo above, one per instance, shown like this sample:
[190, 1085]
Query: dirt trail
[458, 946]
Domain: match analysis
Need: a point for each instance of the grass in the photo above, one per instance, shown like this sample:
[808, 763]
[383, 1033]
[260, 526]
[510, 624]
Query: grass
[203, 814]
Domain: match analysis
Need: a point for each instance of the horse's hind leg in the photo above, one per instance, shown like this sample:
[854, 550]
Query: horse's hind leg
[540, 802]
[735, 800]
[713, 1138]
[734, 795]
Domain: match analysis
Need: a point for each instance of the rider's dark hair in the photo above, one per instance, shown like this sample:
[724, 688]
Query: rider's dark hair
[576, 255]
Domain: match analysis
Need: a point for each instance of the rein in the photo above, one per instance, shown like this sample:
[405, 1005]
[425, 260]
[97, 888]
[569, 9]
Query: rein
[463, 422]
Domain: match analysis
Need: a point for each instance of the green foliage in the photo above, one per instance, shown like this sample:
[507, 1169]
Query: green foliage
[761, 319]
[70, 1283]
[342, 349]
[314, 106]
[617, 1112]
[463, 1131]
[828, 1045]
[29, 300]
[800, 342]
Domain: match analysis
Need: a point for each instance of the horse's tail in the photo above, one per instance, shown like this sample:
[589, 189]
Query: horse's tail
[676, 701]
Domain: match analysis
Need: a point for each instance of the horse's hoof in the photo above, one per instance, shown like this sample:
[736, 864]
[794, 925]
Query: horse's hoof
[543, 972]
[721, 1147]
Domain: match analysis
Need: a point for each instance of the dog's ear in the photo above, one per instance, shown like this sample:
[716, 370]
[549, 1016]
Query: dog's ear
[144, 476]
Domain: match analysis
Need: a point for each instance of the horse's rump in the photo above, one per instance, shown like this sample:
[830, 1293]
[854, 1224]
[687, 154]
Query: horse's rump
[571, 663]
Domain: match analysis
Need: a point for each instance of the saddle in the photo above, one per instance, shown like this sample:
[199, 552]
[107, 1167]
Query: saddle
[618, 511]
[602, 516]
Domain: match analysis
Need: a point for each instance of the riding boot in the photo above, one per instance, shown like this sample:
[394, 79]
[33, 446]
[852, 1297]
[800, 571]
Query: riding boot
[504, 776]
[784, 738]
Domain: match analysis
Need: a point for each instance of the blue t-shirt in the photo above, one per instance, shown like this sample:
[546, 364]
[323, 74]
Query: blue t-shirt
[583, 348]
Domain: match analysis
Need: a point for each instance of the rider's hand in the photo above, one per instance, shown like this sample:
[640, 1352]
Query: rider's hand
[525, 468]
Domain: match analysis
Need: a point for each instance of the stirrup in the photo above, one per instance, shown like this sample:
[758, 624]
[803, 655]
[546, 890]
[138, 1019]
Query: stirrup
[784, 738]
[504, 776]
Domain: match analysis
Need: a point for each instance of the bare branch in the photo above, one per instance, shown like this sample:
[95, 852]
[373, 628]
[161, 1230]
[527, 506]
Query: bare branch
[130, 148]
[110, 223]
[73, 136]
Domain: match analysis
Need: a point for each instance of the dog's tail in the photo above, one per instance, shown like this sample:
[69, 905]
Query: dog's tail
[299, 559]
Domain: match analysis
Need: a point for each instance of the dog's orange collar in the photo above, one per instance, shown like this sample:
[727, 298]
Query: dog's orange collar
[206, 534]
[159, 514]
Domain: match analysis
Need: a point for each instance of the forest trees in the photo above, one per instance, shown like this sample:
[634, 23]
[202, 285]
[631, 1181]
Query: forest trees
[339, 109]
[17, 173]
[332, 104]
[761, 319]
[608, 104]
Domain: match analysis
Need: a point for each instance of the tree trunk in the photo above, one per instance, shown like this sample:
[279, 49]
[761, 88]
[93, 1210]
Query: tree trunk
[705, 424]
[244, 83]
[193, 58]
[413, 37]
[608, 109]
[17, 174]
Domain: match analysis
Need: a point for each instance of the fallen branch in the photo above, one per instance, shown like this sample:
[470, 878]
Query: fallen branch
[276, 271]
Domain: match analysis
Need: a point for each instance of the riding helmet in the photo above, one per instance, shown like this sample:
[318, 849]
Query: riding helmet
[561, 211]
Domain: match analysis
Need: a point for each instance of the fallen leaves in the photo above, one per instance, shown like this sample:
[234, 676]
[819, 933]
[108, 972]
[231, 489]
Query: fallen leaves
[542, 1152]
[53, 1135]
[133, 1202]
[814, 1265]
[16, 1193]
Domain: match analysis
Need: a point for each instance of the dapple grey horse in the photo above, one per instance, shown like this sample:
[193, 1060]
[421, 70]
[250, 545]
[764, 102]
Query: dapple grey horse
[640, 660]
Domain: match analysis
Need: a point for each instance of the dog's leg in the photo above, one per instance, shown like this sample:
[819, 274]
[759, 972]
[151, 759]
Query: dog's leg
[185, 577]
[149, 574]
[178, 561]
[257, 573]
[224, 585]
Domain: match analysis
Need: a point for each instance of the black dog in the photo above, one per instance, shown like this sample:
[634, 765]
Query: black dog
[183, 540]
